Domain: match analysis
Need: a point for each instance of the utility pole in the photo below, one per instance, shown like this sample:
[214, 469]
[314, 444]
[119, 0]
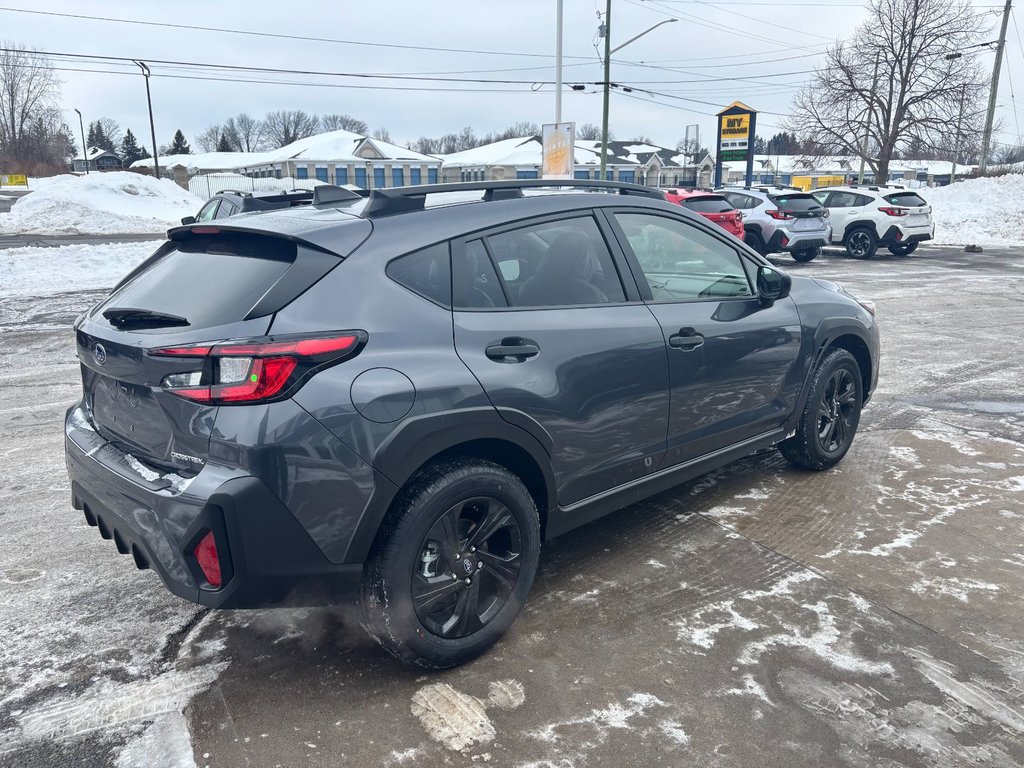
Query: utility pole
[558, 64]
[607, 85]
[959, 128]
[152, 128]
[867, 124]
[85, 149]
[996, 67]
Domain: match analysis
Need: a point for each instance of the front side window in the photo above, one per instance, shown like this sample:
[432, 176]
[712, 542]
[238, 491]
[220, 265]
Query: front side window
[208, 211]
[681, 261]
[226, 209]
[742, 202]
[846, 200]
[556, 264]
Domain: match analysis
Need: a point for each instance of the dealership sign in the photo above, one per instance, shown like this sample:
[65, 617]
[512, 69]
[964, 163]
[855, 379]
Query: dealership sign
[736, 131]
[559, 150]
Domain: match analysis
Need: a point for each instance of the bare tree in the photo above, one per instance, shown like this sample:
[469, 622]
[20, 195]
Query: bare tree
[381, 134]
[340, 122]
[111, 128]
[208, 139]
[905, 73]
[287, 126]
[588, 132]
[245, 133]
[28, 89]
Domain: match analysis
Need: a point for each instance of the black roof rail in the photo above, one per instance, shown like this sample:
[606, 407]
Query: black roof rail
[395, 200]
[238, 192]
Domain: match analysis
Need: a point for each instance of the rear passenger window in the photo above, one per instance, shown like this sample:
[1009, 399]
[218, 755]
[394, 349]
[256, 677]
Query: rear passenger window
[556, 264]
[475, 283]
[427, 272]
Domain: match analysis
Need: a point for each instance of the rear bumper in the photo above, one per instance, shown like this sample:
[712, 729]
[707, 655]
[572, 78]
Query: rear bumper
[267, 557]
[897, 235]
[798, 241]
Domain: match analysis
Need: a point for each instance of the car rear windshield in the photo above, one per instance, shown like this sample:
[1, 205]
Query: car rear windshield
[210, 281]
[708, 204]
[908, 199]
[795, 202]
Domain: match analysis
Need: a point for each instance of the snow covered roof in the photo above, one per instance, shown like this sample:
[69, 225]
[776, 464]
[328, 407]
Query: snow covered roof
[93, 153]
[203, 161]
[841, 164]
[330, 147]
[526, 150]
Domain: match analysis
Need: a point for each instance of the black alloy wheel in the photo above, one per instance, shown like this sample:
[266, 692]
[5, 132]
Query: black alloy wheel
[468, 566]
[836, 411]
[861, 244]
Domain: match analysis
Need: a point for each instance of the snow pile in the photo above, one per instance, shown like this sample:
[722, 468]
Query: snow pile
[43, 271]
[100, 203]
[983, 211]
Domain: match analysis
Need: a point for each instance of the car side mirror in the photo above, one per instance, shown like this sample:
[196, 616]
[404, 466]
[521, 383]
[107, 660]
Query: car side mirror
[772, 285]
[188, 220]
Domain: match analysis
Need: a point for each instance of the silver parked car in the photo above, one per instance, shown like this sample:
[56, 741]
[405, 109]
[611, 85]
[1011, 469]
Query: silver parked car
[780, 219]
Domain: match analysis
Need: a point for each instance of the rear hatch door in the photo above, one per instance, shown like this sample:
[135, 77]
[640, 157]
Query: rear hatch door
[204, 288]
[808, 211]
[714, 208]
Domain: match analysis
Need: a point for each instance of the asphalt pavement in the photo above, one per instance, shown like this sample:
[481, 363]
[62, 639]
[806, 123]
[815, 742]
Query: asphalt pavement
[872, 615]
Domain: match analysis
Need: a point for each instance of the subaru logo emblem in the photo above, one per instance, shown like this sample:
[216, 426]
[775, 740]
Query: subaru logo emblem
[467, 564]
[99, 354]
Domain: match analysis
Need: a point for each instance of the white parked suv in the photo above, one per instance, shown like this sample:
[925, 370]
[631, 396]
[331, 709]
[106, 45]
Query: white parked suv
[865, 217]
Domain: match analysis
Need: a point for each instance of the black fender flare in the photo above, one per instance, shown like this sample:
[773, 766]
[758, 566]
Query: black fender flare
[420, 439]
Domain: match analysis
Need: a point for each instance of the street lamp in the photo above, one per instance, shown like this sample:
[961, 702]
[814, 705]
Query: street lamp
[152, 129]
[85, 149]
[608, 51]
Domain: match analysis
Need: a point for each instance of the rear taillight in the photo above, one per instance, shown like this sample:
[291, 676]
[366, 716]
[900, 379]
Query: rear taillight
[894, 211]
[780, 215]
[208, 559]
[254, 370]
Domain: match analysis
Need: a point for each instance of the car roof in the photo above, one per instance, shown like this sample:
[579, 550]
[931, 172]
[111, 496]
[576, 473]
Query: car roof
[685, 194]
[321, 225]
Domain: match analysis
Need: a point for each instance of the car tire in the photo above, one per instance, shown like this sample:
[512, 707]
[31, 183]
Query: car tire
[830, 418]
[756, 242]
[425, 597]
[806, 254]
[903, 249]
[861, 243]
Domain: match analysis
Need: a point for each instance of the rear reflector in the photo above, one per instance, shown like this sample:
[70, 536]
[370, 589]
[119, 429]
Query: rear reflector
[209, 560]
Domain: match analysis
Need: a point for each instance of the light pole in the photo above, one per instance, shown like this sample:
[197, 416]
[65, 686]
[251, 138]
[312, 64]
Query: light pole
[152, 128]
[608, 51]
[990, 117]
[85, 149]
[558, 64]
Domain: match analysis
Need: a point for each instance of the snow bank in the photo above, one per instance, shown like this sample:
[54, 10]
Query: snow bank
[984, 211]
[44, 271]
[100, 203]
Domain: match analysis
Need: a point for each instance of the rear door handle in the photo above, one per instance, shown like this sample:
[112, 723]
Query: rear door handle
[512, 350]
[686, 339]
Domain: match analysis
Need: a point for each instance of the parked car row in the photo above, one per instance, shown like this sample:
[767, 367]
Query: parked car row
[783, 219]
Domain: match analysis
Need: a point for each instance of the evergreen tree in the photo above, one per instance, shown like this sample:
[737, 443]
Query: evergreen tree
[224, 145]
[130, 149]
[178, 145]
[91, 140]
[98, 137]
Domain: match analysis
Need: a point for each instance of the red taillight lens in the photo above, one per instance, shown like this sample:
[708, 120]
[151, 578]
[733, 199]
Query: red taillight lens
[894, 211]
[780, 215]
[252, 370]
[208, 559]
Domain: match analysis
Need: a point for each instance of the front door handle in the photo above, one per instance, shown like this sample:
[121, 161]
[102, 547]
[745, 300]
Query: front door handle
[686, 339]
[512, 349]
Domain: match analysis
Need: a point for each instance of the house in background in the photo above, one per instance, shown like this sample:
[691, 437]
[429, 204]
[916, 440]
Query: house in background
[98, 160]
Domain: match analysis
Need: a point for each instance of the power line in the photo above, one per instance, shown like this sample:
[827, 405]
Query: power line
[762, 21]
[280, 36]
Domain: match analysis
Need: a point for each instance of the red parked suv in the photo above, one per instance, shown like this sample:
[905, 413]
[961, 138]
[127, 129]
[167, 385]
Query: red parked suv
[711, 206]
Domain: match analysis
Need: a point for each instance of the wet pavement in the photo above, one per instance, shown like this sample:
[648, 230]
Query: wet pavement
[872, 615]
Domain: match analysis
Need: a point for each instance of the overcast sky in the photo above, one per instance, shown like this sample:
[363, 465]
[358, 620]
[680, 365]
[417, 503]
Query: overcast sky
[712, 39]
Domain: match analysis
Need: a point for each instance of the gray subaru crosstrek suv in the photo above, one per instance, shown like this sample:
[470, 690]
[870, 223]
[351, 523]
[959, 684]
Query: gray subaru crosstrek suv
[396, 400]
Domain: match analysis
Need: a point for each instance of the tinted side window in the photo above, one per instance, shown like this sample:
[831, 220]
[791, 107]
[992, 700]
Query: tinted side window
[475, 284]
[226, 209]
[559, 263]
[681, 261]
[427, 272]
[743, 202]
[846, 200]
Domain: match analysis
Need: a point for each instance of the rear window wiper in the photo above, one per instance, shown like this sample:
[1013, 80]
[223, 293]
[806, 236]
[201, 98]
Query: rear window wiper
[125, 316]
